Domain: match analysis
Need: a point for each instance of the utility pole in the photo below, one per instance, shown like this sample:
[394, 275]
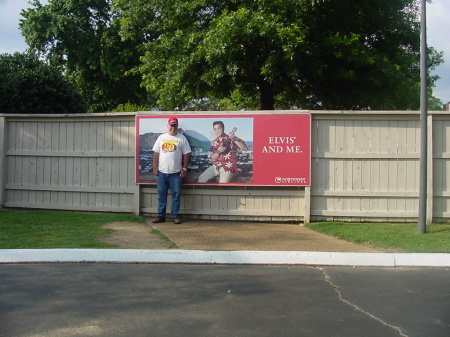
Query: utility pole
[423, 119]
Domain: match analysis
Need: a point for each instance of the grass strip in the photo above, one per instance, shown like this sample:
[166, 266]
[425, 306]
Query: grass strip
[21, 229]
[170, 243]
[400, 236]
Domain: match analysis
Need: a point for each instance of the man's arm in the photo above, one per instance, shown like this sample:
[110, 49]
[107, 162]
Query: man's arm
[155, 163]
[240, 143]
[185, 165]
[215, 155]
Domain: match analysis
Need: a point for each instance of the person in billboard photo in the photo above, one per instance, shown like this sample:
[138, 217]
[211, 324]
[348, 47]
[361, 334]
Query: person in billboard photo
[170, 163]
[223, 154]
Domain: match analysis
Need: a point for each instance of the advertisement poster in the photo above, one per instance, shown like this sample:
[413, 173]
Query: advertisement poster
[265, 150]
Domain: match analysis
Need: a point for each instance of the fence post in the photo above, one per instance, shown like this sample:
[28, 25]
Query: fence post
[430, 160]
[2, 160]
[307, 217]
[137, 200]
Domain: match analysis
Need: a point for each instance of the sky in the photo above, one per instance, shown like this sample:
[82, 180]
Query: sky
[438, 28]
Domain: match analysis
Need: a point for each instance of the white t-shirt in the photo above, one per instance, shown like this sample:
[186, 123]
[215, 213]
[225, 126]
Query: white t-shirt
[171, 150]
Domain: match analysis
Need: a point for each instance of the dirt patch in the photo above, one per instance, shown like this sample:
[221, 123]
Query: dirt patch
[227, 235]
[133, 235]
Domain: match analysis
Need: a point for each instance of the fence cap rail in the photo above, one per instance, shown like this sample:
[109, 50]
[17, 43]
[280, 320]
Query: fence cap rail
[268, 112]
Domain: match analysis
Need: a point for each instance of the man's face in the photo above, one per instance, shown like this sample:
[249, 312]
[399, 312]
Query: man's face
[218, 130]
[172, 129]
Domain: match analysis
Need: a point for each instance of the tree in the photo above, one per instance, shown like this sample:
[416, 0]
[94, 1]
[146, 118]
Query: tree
[30, 86]
[435, 103]
[82, 39]
[365, 55]
[327, 54]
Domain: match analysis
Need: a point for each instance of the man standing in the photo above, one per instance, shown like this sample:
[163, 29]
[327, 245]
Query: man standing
[223, 155]
[170, 162]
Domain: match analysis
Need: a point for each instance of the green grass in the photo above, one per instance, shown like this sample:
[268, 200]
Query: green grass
[56, 229]
[399, 236]
[170, 243]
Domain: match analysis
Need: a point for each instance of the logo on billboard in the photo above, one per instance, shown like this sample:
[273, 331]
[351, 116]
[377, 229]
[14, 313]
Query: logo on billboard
[280, 180]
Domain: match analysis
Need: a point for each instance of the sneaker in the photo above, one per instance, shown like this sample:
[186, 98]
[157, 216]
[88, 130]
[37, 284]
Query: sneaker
[176, 221]
[159, 219]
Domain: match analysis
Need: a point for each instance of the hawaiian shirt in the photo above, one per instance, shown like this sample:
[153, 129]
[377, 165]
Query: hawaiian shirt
[228, 158]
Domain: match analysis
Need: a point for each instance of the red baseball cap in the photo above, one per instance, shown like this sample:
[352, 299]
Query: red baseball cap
[172, 121]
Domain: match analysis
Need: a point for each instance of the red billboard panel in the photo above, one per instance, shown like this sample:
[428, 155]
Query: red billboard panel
[266, 149]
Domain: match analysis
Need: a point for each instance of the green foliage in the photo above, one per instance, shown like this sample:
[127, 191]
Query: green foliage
[435, 103]
[30, 86]
[56, 229]
[397, 236]
[129, 107]
[279, 53]
[82, 38]
[369, 60]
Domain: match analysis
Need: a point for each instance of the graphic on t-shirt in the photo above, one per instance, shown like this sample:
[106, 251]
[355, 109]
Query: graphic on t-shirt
[169, 145]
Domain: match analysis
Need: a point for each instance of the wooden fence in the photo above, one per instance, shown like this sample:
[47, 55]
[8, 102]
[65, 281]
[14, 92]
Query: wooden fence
[365, 167]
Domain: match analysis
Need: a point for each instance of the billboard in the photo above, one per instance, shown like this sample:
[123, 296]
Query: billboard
[265, 150]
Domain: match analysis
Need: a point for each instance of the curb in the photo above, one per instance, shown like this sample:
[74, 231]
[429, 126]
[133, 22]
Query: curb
[177, 256]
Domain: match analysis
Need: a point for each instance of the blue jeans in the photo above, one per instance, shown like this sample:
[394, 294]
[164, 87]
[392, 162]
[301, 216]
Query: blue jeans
[164, 182]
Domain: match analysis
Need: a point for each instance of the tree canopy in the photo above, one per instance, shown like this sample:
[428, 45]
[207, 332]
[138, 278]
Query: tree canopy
[245, 54]
[280, 53]
[30, 86]
[82, 38]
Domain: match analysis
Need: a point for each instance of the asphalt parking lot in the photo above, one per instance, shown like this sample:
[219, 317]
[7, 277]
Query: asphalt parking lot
[111, 299]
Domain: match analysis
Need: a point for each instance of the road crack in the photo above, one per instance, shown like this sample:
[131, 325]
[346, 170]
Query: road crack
[356, 307]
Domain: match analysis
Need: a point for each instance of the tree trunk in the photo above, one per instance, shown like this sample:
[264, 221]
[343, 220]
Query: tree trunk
[267, 99]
